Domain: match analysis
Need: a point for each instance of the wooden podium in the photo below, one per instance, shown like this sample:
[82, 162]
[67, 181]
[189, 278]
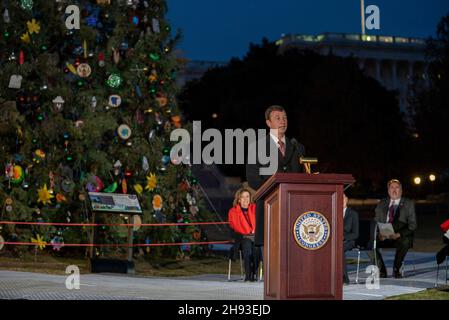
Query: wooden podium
[303, 236]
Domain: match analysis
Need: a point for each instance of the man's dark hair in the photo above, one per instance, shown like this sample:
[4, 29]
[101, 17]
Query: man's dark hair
[271, 109]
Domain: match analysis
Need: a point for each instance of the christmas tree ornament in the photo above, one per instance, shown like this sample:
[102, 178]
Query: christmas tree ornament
[117, 167]
[101, 59]
[124, 186]
[165, 160]
[58, 104]
[124, 132]
[25, 37]
[15, 82]
[157, 202]
[153, 76]
[156, 27]
[12, 57]
[21, 57]
[145, 165]
[44, 195]
[44, 87]
[79, 123]
[138, 188]
[139, 117]
[115, 101]
[138, 91]
[72, 68]
[38, 156]
[60, 198]
[6, 34]
[57, 243]
[6, 17]
[84, 70]
[114, 80]
[154, 56]
[18, 174]
[111, 188]
[94, 184]
[39, 241]
[176, 121]
[151, 182]
[152, 135]
[93, 102]
[2, 244]
[162, 100]
[115, 56]
[135, 20]
[26, 4]
[85, 49]
[8, 204]
[33, 26]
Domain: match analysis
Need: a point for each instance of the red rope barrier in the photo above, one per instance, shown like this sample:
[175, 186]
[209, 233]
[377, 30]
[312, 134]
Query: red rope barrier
[117, 245]
[110, 224]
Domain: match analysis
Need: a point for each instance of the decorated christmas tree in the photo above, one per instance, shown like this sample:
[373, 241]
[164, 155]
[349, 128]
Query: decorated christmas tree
[87, 104]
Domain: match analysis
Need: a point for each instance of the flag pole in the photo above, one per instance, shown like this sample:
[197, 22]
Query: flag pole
[362, 10]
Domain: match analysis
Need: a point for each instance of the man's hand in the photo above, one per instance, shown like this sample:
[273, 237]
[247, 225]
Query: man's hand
[395, 236]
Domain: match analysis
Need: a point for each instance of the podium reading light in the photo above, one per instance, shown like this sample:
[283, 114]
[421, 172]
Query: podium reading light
[307, 162]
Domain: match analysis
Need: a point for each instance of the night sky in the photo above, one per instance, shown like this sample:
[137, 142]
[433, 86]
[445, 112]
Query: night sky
[217, 30]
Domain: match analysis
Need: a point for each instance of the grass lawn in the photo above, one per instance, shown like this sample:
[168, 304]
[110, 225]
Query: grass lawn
[162, 267]
[429, 294]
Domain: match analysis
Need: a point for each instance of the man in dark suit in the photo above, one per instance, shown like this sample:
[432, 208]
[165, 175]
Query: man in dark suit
[400, 212]
[350, 233]
[288, 153]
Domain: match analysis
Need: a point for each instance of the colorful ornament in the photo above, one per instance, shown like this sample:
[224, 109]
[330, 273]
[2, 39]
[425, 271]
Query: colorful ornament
[114, 80]
[154, 56]
[84, 70]
[138, 188]
[33, 26]
[26, 4]
[58, 103]
[124, 186]
[157, 202]
[60, 198]
[145, 165]
[115, 101]
[38, 156]
[176, 121]
[25, 37]
[57, 242]
[94, 184]
[15, 82]
[151, 182]
[44, 195]
[39, 241]
[111, 188]
[18, 175]
[124, 132]
[21, 57]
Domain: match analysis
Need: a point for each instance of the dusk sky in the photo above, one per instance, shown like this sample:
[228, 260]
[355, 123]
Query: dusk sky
[217, 30]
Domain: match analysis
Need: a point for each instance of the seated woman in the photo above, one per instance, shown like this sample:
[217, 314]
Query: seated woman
[242, 220]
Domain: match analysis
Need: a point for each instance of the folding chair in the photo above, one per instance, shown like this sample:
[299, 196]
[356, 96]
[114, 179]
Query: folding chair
[232, 251]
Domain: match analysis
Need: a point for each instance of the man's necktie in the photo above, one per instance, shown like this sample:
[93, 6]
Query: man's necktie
[282, 148]
[391, 213]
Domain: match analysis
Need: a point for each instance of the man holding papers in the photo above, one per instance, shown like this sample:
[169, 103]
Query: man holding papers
[396, 220]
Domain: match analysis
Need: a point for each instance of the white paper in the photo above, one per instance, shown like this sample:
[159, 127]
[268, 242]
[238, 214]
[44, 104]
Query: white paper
[386, 229]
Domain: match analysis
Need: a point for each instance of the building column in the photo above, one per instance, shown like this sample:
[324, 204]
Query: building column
[361, 63]
[394, 70]
[378, 71]
[410, 71]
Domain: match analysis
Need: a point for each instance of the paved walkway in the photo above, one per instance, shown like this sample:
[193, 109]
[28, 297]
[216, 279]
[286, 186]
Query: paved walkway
[36, 286]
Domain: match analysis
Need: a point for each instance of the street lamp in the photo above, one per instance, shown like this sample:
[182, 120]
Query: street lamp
[432, 178]
[417, 181]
